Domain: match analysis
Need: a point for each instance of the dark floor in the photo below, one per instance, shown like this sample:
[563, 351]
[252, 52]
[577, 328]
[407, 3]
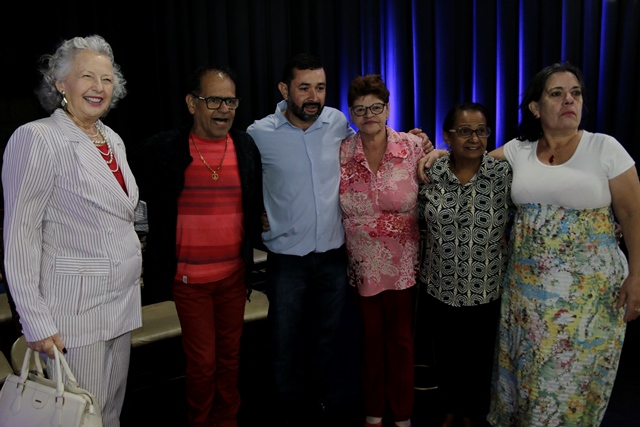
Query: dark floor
[156, 393]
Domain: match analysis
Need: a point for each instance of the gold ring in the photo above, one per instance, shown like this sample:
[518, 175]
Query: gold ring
[637, 310]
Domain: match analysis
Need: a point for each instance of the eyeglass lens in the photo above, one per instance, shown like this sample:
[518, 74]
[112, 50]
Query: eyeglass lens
[466, 131]
[361, 110]
[214, 102]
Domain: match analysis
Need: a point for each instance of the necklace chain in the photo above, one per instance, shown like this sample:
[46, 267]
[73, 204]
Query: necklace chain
[96, 134]
[214, 172]
[557, 150]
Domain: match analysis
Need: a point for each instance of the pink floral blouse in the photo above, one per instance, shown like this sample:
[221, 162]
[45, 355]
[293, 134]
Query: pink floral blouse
[379, 213]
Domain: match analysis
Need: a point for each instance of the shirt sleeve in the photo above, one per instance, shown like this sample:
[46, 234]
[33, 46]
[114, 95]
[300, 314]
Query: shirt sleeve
[615, 159]
[27, 177]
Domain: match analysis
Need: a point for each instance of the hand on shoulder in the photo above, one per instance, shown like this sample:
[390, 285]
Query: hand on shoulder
[426, 162]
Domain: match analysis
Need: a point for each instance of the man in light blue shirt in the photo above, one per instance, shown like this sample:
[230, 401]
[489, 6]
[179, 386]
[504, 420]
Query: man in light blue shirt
[307, 267]
[301, 172]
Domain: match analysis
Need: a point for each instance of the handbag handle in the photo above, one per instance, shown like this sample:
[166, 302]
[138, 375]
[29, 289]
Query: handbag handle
[70, 381]
[60, 363]
[24, 372]
[59, 384]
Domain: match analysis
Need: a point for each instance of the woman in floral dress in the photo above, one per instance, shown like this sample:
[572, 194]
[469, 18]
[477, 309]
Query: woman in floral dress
[569, 289]
[378, 196]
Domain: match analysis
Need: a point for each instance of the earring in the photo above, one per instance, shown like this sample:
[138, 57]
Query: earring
[64, 102]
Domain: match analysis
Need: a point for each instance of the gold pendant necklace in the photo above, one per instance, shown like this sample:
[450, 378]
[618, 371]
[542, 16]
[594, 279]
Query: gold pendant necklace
[214, 172]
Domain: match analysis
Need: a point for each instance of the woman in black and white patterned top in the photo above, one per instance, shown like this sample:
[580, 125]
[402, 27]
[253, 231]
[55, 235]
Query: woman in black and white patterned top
[465, 210]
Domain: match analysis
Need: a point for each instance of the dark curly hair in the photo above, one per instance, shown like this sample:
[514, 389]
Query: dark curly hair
[530, 128]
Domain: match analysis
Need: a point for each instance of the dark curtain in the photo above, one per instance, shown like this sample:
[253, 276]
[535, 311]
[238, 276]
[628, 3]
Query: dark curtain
[431, 53]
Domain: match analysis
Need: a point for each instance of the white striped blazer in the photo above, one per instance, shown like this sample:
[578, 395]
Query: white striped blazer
[72, 256]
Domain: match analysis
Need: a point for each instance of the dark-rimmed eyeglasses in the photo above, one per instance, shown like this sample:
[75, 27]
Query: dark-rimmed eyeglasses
[466, 131]
[361, 110]
[215, 102]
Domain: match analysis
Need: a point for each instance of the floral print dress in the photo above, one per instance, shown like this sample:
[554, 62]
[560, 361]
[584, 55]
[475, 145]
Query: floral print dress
[560, 334]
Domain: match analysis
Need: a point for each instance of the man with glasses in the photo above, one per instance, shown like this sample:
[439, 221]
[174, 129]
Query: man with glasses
[306, 264]
[203, 190]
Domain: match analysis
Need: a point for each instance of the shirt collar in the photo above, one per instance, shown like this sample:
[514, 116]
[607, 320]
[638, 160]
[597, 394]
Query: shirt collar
[441, 168]
[395, 146]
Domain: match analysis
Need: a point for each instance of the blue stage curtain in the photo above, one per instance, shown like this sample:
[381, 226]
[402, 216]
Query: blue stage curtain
[431, 53]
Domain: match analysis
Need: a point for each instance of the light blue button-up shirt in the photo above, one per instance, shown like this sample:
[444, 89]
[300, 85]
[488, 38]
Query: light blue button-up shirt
[301, 181]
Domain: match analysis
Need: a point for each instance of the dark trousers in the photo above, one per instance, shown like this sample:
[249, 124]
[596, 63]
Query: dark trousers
[306, 298]
[212, 316]
[464, 343]
[388, 353]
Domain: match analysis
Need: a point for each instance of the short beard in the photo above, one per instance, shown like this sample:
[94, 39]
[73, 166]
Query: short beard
[299, 111]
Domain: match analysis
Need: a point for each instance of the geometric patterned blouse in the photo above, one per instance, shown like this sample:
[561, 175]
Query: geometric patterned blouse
[463, 258]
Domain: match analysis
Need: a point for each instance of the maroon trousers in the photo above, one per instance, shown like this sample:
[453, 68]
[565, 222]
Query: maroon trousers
[212, 316]
[388, 353]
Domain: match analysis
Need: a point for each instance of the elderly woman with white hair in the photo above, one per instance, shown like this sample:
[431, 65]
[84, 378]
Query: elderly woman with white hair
[72, 256]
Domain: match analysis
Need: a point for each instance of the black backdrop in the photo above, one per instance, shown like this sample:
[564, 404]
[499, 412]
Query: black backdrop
[432, 53]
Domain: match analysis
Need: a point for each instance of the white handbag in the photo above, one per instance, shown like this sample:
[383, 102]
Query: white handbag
[35, 401]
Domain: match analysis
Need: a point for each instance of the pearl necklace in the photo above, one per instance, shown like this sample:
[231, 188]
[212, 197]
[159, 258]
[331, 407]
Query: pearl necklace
[214, 172]
[96, 134]
[108, 156]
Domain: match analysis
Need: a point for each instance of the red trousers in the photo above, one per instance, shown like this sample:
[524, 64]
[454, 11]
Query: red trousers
[388, 353]
[211, 316]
